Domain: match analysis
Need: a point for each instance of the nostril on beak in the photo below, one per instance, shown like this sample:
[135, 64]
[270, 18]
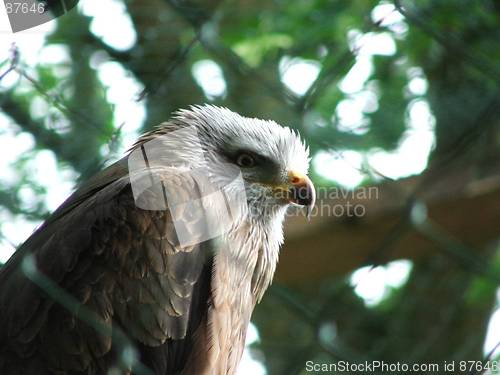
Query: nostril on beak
[302, 191]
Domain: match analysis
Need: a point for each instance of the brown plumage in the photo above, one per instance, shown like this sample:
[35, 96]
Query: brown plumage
[184, 309]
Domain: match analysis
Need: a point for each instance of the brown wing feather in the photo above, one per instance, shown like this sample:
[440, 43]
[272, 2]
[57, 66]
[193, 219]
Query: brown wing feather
[118, 261]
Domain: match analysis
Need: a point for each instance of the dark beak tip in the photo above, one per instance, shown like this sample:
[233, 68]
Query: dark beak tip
[304, 195]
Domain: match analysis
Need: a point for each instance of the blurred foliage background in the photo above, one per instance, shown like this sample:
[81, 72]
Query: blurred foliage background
[402, 95]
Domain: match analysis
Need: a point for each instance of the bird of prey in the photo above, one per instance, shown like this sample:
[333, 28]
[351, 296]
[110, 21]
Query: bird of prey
[143, 269]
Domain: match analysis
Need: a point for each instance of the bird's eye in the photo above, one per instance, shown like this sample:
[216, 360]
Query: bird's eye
[245, 160]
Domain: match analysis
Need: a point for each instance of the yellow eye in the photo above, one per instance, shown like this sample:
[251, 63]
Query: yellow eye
[245, 160]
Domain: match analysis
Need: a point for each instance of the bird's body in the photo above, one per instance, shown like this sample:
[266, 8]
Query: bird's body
[183, 308]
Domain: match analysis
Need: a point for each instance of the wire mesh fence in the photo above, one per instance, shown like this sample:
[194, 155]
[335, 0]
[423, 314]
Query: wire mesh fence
[442, 311]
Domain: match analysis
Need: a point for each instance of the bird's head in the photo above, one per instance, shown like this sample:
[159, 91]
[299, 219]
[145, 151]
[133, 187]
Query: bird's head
[271, 160]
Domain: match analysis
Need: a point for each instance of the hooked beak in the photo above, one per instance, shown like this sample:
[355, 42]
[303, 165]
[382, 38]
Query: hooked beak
[301, 191]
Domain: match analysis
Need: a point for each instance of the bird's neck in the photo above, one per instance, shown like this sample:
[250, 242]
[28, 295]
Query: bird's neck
[250, 250]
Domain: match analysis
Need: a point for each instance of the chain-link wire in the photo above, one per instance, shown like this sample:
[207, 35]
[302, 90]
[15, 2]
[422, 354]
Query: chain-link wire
[412, 217]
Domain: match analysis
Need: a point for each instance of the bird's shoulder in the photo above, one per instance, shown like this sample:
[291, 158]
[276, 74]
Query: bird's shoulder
[121, 263]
